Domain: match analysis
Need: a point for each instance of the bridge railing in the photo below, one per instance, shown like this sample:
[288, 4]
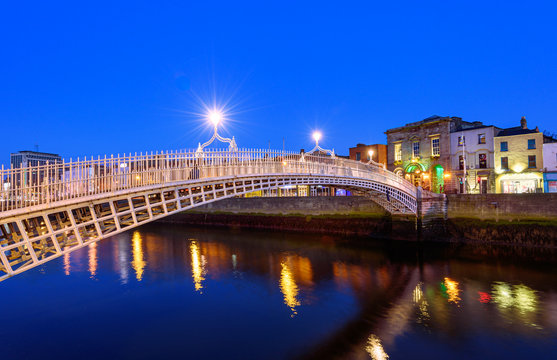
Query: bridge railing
[50, 183]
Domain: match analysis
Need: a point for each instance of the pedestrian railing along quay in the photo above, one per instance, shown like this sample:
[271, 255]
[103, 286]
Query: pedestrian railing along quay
[45, 185]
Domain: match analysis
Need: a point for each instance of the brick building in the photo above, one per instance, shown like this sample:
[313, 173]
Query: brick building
[361, 153]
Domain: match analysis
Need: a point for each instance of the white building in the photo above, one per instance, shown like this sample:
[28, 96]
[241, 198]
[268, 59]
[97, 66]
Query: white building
[472, 159]
[550, 167]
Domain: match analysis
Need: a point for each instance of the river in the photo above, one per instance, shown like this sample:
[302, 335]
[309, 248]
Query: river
[166, 291]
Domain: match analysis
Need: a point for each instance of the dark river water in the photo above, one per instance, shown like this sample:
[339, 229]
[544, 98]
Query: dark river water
[174, 292]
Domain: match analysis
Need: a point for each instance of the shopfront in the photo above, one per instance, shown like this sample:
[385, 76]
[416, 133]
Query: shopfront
[550, 182]
[520, 183]
[415, 173]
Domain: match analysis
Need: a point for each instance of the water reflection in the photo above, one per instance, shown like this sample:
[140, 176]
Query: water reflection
[420, 302]
[67, 264]
[93, 262]
[451, 289]
[120, 250]
[375, 349]
[518, 302]
[138, 263]
[197, 266]
[289, 288]
[359, 303]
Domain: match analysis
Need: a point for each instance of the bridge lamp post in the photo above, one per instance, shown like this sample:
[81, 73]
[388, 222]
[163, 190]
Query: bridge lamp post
[371, 162]
[215, 117]
[370, 153]
[317, 136]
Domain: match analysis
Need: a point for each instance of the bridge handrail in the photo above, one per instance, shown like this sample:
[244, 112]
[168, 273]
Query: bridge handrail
[46, 184]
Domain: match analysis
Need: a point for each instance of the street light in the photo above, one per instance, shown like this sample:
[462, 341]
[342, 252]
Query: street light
[317, 136]
[215, 117]
[371, 162]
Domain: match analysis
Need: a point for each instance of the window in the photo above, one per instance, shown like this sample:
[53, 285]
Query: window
[481, 139]
[461, 140]
[531, 161]
[504, 163]
[435, 151]
[482, 161]
[460, 162]
[504, 146]
[358, 156]
[531, 144]
[398, 152]
[416, 149]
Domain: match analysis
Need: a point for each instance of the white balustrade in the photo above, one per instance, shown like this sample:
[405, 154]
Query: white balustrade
[51, 183]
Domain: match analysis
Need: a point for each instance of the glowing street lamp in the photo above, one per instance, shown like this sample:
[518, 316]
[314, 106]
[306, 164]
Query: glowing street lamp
[317, 136]
[371, 162]
[215, 117]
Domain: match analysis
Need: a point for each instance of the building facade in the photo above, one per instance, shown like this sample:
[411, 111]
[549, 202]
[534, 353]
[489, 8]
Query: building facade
[24, 159]
[421, 152]
[550, 167]
[518, 153]
[361, 153]
[472, 158]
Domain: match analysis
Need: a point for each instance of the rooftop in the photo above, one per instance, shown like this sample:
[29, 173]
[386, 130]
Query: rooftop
[517, 130]
[29, 152]
[430, 120]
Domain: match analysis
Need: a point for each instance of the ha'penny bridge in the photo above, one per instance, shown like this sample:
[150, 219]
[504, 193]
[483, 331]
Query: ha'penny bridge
[49, 210]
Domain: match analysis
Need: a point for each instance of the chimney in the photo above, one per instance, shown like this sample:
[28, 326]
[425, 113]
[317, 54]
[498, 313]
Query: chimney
[523, 123]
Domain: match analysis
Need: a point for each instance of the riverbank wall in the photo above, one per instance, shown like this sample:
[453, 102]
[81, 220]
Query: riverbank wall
[511, 219]
[346, 215]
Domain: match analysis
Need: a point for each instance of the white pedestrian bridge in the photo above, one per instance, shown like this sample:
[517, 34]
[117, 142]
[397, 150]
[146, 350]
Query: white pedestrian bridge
[50, 210]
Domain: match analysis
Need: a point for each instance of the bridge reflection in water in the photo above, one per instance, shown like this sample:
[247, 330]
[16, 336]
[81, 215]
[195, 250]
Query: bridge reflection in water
[290, 295]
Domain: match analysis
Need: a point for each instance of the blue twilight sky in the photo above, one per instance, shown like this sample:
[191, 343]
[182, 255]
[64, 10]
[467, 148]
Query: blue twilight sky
[93, 77]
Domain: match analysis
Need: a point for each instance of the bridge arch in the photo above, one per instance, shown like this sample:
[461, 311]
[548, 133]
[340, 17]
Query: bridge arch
[37, 237]
[71, 205]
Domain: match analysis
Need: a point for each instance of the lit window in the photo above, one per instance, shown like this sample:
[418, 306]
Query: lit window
[531, 144]
[460, 162]
[482, 161]
[505, 163]
[504, 146]
[461, 140]
[416, 149]
[481, 139]
[435, 151]
[398, 152]
[531, 161]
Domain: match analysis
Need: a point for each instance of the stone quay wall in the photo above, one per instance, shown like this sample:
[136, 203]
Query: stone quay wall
[510, 207]
[343, 215]
[318, 205]
[492, 219]
[512, 219]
